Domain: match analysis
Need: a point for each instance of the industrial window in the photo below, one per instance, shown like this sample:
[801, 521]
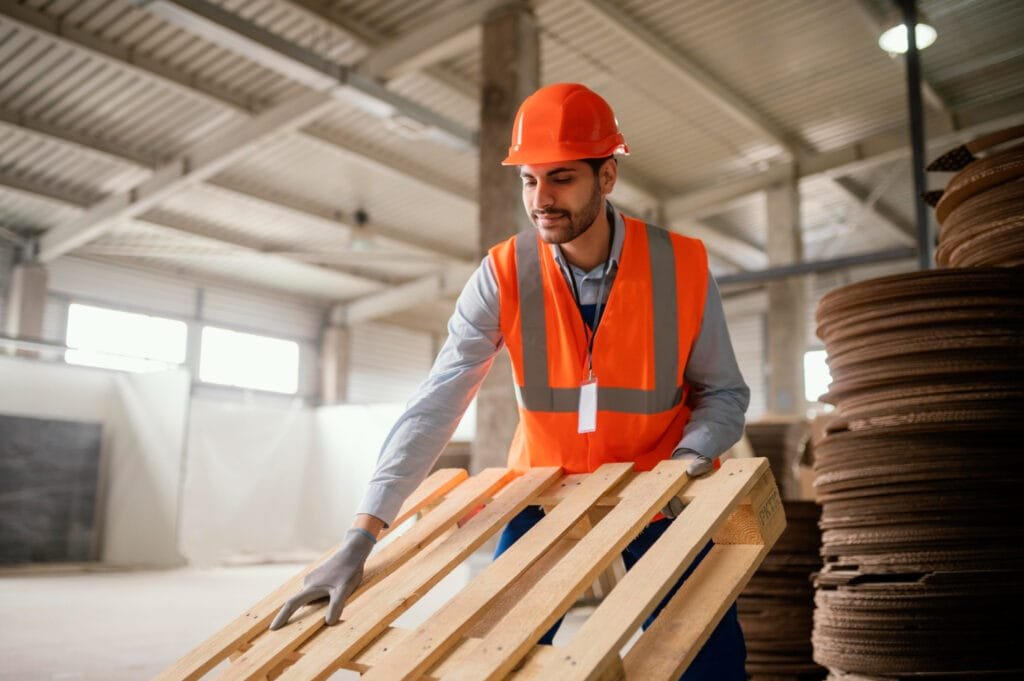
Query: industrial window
[816, 375]
[113, 339]
[246, 360]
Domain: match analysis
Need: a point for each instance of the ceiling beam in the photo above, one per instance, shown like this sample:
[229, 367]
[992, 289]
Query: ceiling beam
[311, 209]
[865, 153]
[447, 34]
[199, 162]
[228, 30]
[725, 246]
[179, 80]
[401, 297]
[347, 284]
[46, 25]
[278, 201]
[871, 202]
[407, 170]
[77, 139]
[271, 51]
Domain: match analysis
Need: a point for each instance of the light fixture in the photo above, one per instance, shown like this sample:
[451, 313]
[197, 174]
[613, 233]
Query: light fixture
[894, 40]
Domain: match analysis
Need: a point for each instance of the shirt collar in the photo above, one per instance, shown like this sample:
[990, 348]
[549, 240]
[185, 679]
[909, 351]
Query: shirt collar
[619, 236]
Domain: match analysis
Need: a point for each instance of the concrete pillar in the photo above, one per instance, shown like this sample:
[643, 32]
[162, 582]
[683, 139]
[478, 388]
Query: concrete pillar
[787, 300]
[511, 72]
[26, 302]
[335, 355]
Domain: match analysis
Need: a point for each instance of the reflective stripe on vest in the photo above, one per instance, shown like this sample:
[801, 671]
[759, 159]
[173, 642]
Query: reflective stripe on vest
[537, 394]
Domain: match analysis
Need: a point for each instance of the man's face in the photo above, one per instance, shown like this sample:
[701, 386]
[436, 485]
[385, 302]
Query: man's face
[562, 199]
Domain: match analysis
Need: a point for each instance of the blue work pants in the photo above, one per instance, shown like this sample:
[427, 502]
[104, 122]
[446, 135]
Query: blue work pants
[724, 655]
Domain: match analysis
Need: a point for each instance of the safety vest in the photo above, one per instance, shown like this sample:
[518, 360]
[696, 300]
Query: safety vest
[651, 320]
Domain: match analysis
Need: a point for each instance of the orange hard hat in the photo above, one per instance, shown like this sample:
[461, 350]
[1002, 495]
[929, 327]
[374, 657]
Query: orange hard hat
[564, 122]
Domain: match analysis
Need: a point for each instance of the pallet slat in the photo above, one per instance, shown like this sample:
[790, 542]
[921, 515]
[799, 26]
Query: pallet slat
[373, 614]
[596, 644]
[274, 646]
[237, 633]
[427, 643]
[537, 610]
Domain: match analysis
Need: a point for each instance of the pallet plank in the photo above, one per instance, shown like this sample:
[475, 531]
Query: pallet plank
[677, 635]
[253, 621]
[514, 636]
[430, 641]
[372, 615]
[274, 646]
[595, 646]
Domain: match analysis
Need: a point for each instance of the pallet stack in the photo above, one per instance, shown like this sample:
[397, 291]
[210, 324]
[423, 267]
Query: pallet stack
[776, 608]
[490, 629]
[918, 475]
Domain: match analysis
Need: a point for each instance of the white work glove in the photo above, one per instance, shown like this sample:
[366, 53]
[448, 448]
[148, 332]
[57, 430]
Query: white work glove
[334, 580]
[698, 465]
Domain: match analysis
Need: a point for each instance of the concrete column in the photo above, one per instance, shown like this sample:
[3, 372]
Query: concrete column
[787, 300]
[335, 355]
[511, 72]
[26, 302]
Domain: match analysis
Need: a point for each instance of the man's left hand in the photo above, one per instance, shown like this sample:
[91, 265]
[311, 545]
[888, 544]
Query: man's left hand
[698, 465]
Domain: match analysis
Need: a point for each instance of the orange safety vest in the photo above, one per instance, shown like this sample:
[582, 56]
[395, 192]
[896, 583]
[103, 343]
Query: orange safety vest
[650, 322]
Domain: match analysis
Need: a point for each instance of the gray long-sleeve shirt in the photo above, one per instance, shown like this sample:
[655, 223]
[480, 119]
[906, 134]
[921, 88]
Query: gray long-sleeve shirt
[718, 392]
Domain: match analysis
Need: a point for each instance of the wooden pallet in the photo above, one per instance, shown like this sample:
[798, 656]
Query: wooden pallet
[489, 630]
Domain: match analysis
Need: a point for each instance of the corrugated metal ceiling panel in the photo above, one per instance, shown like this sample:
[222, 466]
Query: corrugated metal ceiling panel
[371, 137]
[979, 53]
[80, 171]
[324, 173]
[392, 17]
[63, 86]
[679, 134]
[813, 67]
[30, 213]
[200, 259]
[440, 97]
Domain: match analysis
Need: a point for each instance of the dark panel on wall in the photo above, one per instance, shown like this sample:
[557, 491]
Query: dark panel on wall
[48, 481]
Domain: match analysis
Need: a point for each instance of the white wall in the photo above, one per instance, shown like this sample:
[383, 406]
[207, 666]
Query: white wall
[143, 420]
[272, 483]
[244, 472]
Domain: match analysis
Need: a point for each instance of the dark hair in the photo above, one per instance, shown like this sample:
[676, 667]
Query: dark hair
[596, 163]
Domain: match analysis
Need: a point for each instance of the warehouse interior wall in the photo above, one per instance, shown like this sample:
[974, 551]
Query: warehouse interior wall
[244, 471]
[143, 421]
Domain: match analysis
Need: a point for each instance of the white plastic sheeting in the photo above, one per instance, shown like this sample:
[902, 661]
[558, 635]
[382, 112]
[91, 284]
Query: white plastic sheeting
[268, 482]
[143, 419]
[245, 466]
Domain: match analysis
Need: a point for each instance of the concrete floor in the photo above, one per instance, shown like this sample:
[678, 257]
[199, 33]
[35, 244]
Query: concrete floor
[72, 624]
[118, 625]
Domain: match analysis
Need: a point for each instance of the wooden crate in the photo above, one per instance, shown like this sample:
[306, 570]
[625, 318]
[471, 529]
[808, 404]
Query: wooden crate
[489, 630]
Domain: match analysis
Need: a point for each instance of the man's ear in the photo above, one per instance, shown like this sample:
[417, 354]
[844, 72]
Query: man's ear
[608, 175]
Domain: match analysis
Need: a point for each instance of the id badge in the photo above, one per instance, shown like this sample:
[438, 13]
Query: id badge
[588, 406]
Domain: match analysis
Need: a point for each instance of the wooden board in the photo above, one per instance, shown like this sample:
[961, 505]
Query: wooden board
[489, 630]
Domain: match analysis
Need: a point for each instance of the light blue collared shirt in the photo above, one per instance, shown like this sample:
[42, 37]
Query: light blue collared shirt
[718, 393]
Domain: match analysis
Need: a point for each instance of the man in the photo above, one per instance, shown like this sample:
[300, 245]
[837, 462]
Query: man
[617, 339]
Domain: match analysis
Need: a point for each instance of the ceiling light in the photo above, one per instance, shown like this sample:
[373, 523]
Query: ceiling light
[894, 40]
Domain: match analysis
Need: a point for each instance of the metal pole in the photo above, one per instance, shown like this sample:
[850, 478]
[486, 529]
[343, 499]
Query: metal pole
[925, 247]
[814, 266]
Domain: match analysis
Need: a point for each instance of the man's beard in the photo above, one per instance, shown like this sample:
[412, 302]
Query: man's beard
[577, 223]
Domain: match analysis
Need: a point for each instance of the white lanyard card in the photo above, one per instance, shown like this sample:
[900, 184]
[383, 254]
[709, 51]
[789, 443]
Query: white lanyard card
[588, 406]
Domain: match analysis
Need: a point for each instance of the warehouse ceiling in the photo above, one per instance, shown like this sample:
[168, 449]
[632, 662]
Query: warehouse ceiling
[327, 149]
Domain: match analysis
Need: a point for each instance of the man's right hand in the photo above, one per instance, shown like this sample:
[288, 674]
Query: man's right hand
[334, 580]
